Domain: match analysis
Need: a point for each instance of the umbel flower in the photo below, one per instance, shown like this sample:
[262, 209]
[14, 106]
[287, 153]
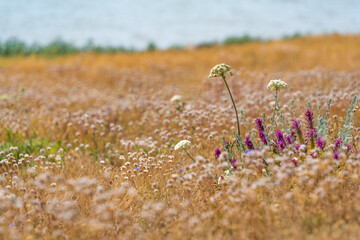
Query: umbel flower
[176, 98]
[183, 144]
[276, 85]
[219, 70]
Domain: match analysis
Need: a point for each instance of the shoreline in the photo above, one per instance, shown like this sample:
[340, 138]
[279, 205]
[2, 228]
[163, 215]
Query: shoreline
[58, 47]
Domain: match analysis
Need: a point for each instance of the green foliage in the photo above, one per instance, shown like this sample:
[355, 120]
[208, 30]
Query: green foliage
[240, 40]
[151, 47]
[30, 146]
[322, 121]
[58, 47]
[346, 129]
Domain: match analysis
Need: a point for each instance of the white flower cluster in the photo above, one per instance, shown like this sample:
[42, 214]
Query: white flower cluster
[176, 99]
[182, 144]
[276, 85]
[219, 70]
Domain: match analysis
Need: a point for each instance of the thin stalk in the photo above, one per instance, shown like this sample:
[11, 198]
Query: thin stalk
[189, 155]
[276, 103]
[237, 117]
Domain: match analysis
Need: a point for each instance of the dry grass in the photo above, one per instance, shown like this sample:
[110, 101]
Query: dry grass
[88, 142]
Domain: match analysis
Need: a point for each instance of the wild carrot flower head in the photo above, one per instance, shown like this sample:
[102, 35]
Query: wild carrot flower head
[219, 70]
[183, 144]
[248, 143]
[217, 153]
[276, 85]
[259, 125]
[176, 98]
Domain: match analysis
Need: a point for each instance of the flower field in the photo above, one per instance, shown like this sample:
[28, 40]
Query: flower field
[147, 145]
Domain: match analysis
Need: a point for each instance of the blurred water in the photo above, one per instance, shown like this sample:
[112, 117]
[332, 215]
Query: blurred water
[168, 22]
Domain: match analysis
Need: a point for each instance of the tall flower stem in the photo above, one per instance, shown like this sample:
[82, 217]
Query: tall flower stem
[189, 155]
[276, 103]
[237, 117]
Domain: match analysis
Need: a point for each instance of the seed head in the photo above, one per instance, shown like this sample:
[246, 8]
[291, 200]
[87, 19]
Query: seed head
[219, 70]
[276, 85]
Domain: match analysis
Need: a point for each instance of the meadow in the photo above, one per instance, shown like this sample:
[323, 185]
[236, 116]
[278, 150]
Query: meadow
[87, 143]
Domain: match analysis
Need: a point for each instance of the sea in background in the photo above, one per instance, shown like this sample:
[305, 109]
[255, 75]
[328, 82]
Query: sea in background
[136, 23]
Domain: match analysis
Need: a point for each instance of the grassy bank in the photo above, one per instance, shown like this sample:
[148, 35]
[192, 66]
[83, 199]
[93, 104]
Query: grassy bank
[58, 47]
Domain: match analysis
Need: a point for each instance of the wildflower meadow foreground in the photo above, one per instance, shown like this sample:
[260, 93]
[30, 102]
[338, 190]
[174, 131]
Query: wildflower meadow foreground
[152, 146]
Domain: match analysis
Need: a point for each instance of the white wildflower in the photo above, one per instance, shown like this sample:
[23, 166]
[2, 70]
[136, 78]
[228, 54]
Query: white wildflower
[219, 70]
[182, 144]
[276, 85]
[176, 98]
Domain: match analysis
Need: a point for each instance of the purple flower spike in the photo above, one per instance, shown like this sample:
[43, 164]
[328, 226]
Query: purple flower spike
[259, 125]
[217, 153]
[262, 137]
[321, 143]
[336, 155]
[297, 127]
[233, 163]
[281, 144]
[338, 144]
[348, 149]
[291, 138]
[311, 136]
[309, 116]
[249, 144]
[280, 136]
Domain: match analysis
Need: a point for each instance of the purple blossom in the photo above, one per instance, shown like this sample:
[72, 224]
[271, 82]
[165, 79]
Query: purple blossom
[321, 143]
[348, 149]
[309, 116]
[336, 155]
[248, 143]
[259, 125]
[263, 137]
[297, 127]
[291, 138]
[281, 144]
[297, 146]
[311, 136]
[217, 153]
[338, 144]
[280, 136]
[294, 162]
[233, 163]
